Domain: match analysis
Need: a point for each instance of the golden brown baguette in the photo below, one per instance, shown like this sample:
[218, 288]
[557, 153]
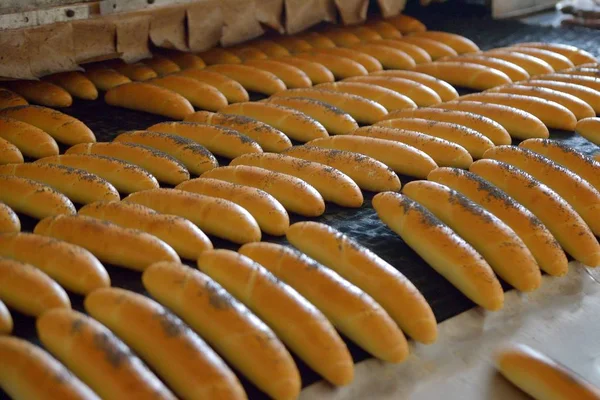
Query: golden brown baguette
[76, 83]
[465, 74]
[40, 92]
[580, 164]
[335, 120]
[227, 325]
[218, 55]
[271, 216]
[9, 221]
[28, 290]
[62, 127]
[576, 55]
[384, 29]
[9, 153]
[370, 63]
[459, 43]
[177, 354]
[317, 41]
[165, 168]
[33, 198]
[595, 72]
[406, 24]
[10, 99]
[105, 78]
[136, 71]
[184, 60]
[199, 94]
[533, 65]
[269, 138]
[367, 172]
[31, 141]
[388, 98]
[270, 48]
[179, 233]
[364, 33]
[484, 125]
[293, 77]
[349, 309]
[293, 193]
[444, 90]
[124, 176]
[434, 48]
[588, 81]
[552, 114]
[341, 37]
[474, 142]
[540, 376]
[417, 53]
[332, 184]
[443, 152]
[361, 109]
[248, 53]
[589, 128]
[513, 71]
[389, 57]
[221, 141]
[401, 158]
[396, 294]
[218, 217]
[111, 243]
[580, 194]
[340, 67]
[296, 125]
[6, 322]
[557, 61]
[251, 78]
[518, 123]
[162, 65]
[422, 95]
[78, 185]
[538, 239]
[560, 218]
[299, 324]
[71, 266]
[317, 72]
[28, 372]
[590, 96]
[98, 357]
[231, 89]
[196, 158]
[292, 43]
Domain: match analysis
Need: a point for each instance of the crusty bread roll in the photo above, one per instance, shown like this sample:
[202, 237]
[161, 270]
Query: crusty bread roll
[474, 142]
[196, 158]
[62, 127]
[292, 43]
[341, 37]
[184, 60]
[111, 243]
[513, 71]
[317, 40]
[518, 123]
[299, 324]
[396, 294]
[335, 120]
[251, 78]
[296, 125]
[459, 43]
[589, 128]
[71, 266]
[270, 48]
[465, 74]
[361, 109]
[406, 24]
[588, 81]
[106, 78]
[370, 63]
[401, 158]
[415, 52]
[227, 325]
[389, 57]
[590, 96]
[293, 77]
[332, 184]
[76, 83]
[98, 357]
[219, 140]
[247, 53]
[9, 221]
[388, 98]
[31, 141]
[364, 33]
[538, 239]
[162, 65]
[165, 168]
[533, 65]
[28, 290]
[582, 165]
[136, 71]
[384, 29]
[40, 92]
[6, 322]
[350, 310]
[580, 194]
[218, 217]
[199, 94]
[442, 88]
[317, 72]
[293, 193]
[540, 376]
[557, 61]
[443, 152]
[10, 99]
[9, 153]
[484, 125]
[177, 354]
[28, 372]
[124, 176]
[367, 172]
[269, 138]
[505, 252]
[595, 72]
[33, 198]
[340, 67]
[560, 218]
[231, 89]
[217, 55]
[434, 48]
[78, 185]
[552, 114]
[422, 95]
[271, 216]
[179, 233]
[576, 55]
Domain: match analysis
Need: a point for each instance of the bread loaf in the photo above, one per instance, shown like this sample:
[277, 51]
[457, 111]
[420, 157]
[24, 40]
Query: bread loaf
[389, 57]
[589, 128]
[364, 33]
[162, 65]
[184, 60]
[10, 99]
[201, 95]
[513, 71]
[251, 78]
[465, 74]
[417, 53]
[576, 55]
[231, 89]
[9, 221]
[76, 83]
[388, 98]
[317, 41]
[434, 48]
[270, 48]
[406, 24]
[384, 29]
[248, 53]
[594, 72]
[590, 96]
[33, 198]
[9, 153]
[341, 37]
[422, 95]
[370, 63]
[218, 55]
[293, 44]
[293, 77]
[105, 78]
[340, 67]
[533, 65]
[442, 88]
[40, 92]
[136, 72]
[459, 43]
[6, 322]
[317, 72]
[587, 81]
[557, 61]
[31, 141]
